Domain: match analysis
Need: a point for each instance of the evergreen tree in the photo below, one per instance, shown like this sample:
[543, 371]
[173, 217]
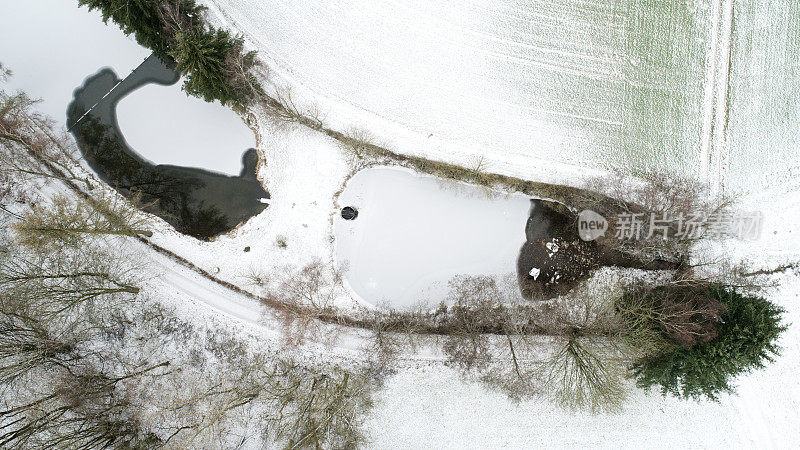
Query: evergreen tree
[214, 63]
[745, 341]
[201, 57]
[137, 17]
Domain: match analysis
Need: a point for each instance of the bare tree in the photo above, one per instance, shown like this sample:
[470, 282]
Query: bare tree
[359, 143]
[25, 344]
[238, 70]
[178, 15]
[30, 145]
[664, 195]
[585, 373]
[303, 295]
[66, 221]
[682, 311]
[317, 409]
[45, 287]
[477, 306]
[283, 109]
[81, 409]
[570, 352]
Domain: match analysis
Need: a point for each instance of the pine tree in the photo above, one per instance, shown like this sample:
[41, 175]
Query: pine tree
[201, 57]
[746, 340]
[137, 17]
[214, 63]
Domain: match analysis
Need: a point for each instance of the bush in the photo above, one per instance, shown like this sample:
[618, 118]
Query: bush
[686, 315]
[745, 339]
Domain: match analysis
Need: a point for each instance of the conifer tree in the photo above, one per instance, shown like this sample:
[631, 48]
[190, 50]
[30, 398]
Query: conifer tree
[746, 340]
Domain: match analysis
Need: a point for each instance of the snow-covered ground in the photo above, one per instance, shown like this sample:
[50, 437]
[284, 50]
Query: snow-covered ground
[415, 233]
[591, 83]
[477, 79]
[427, 404]
[763, 128]
[525, 84]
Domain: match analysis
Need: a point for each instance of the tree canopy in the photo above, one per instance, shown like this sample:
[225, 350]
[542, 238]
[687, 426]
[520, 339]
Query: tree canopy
[746, 340]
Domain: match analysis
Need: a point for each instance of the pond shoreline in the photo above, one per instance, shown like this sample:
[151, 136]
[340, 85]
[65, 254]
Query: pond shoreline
[196, 202]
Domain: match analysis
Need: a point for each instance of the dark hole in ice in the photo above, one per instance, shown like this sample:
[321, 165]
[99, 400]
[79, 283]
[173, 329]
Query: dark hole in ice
[349, 213]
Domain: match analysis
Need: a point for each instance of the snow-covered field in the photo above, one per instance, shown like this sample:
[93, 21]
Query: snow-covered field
[523, 83]
[763, 128]
[415, 233]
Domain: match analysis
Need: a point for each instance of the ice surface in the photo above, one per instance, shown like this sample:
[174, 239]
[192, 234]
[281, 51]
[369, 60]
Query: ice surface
[166, 126]
[414, 233]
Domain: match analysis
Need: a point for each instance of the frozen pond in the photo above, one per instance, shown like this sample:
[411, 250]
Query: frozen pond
[197, 202]
[185, 157]
[414, 233]
[197, 133]
[53, 45]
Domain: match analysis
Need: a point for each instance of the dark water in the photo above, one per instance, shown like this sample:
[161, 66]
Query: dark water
[563, 259]
[552, 246]
[196, 202]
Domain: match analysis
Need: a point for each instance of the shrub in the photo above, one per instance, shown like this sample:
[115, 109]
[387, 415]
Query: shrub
[360, 143]
[687, 315]
[476, 308]
[745, 339]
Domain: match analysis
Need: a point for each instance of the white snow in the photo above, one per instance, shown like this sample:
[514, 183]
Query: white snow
[496, 79]
[414, 233]
[524, 84]
[434, 407]
[166, 126]
[52, 46]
